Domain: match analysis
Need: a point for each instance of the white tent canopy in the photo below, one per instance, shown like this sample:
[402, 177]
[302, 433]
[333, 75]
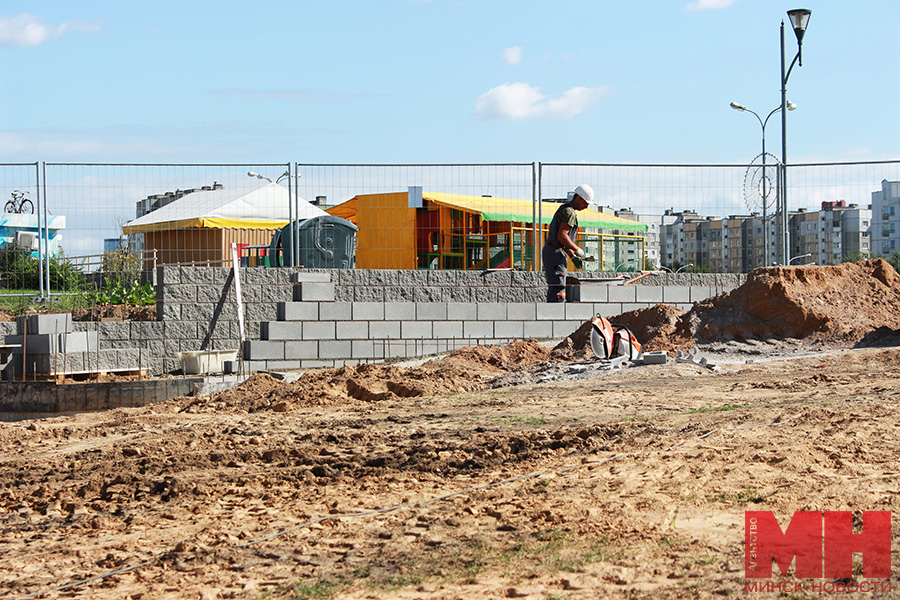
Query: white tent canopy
[263, 208]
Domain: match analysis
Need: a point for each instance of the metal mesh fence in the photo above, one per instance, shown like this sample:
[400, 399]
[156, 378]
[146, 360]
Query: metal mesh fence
[110, 221]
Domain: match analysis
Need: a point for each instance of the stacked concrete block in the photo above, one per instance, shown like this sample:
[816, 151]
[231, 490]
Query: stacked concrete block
[49, 345]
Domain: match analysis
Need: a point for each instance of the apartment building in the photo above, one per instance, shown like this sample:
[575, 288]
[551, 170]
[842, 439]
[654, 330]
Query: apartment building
[804, 234]
[885, 235]
[843, 232]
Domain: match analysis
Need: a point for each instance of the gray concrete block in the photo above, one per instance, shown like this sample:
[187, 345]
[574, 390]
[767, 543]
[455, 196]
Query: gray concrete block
[47, 323]
[310, 277]
[478, 329]
[333, 349]
[316, 364]
[462, 311]
[314, 292]
[491, 311]
[484, 295]
[429, 294]
[630, 306]
[360, 349]
[701, 292]
[264, 350]
[623, 293]
[563, 329]
[181, 330]
[319, 330]
[282, 330]
[447, 329]
[550, 311]
[509, 329]
[521, 311]
[352, 330]
[608, 309]
[415, 330]
[368, 311]
[537, 330]
[195, 275]
[298, 350]
[651, 294]
[367, 293]
[335, 311]
[384, 330]
[460, 293]
[676, 293]
[298, 311]
[578, 312]
[282, 365]
[399, 311]
[431, 311]
[594, 292]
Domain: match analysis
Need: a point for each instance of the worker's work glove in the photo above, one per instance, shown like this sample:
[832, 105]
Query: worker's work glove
[579, 252]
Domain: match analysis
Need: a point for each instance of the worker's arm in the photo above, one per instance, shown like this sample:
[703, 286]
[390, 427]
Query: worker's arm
[565, 242]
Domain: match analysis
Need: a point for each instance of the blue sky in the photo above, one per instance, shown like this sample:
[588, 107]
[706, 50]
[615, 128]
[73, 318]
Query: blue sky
[395, 81]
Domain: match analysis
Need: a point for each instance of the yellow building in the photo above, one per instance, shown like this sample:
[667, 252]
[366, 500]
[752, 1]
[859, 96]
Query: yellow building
[430, 230]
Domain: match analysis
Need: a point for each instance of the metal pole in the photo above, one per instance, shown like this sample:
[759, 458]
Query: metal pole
[538, 241]
[534, 211]
[783, 221]
[37, 180]
[291, 211]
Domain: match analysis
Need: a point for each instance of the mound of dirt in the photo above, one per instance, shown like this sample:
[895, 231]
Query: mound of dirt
[122, 312]
[465, 370]
[842, 305]
[518, 353]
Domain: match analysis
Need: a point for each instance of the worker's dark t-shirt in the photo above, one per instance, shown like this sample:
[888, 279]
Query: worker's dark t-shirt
[564, 214]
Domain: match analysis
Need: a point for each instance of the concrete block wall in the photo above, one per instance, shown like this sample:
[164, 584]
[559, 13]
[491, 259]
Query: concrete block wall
[327, 317]
[321, 333]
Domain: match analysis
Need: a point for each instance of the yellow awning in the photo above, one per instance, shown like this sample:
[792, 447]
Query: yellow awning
[521, 211]
[206, 223]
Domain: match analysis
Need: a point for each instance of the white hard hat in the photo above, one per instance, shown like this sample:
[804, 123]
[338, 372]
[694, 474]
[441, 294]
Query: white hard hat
[586, 192]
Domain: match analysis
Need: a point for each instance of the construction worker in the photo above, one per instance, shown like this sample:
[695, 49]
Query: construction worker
[561, 242]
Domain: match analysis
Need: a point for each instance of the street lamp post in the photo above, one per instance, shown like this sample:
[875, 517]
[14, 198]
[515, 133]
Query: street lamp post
[799, 19]
[687, 266]
[799, 257]
[765, 192]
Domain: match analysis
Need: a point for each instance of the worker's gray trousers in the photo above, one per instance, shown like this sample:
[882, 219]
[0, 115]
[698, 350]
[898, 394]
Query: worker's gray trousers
[554, 261]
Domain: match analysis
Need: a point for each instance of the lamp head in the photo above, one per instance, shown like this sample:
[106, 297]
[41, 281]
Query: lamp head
[737, 106]
[791, 106]
[799, 18]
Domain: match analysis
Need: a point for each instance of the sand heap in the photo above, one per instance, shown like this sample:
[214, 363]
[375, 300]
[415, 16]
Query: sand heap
[841, 305]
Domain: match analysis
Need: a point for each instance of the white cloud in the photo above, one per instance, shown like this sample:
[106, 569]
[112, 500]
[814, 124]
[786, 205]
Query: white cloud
[709, 4]
[29, 30]
[522, 101]
[513, 56]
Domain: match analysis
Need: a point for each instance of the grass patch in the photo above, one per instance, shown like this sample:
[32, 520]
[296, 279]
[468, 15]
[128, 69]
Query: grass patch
[745, 496]
[525, 420]
[707, 409]
[301, 590]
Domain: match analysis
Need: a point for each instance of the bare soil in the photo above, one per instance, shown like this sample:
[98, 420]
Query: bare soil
[513, 471]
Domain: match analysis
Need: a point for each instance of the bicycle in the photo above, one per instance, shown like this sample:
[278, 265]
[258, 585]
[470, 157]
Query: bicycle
[20, 204]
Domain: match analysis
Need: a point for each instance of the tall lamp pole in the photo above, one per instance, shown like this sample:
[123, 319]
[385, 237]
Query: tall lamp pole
[765, 181]
[799, 19]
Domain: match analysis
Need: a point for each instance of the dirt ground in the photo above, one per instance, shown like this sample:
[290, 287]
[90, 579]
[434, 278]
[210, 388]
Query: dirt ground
[516, 471]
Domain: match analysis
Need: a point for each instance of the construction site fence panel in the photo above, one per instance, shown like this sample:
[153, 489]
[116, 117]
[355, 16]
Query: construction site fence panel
[89, 231]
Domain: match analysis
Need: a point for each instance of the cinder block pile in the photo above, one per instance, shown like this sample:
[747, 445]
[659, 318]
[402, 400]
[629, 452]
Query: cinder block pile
[47, 345]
